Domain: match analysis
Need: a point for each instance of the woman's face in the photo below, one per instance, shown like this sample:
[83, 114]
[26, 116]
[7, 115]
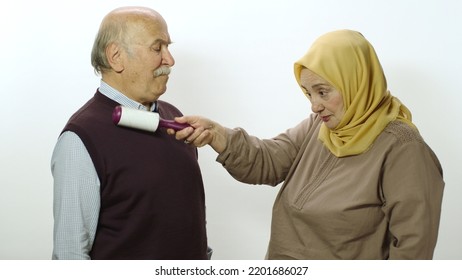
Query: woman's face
[325, 100]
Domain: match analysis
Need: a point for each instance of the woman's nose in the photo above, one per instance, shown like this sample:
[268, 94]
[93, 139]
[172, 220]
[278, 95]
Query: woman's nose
[316, 106]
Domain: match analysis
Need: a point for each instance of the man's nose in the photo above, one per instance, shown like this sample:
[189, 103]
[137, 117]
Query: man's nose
[167, 58]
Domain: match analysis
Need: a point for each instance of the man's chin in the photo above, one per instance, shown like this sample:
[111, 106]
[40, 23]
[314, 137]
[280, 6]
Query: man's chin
[161, 90]
[160, 83]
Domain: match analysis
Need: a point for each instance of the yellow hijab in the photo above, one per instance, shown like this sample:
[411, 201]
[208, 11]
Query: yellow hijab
[349, 63]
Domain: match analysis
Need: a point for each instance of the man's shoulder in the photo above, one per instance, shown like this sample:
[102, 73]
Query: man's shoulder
[167, 110]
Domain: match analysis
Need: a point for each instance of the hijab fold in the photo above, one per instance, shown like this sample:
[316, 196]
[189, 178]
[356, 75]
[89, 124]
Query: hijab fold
[346, 60]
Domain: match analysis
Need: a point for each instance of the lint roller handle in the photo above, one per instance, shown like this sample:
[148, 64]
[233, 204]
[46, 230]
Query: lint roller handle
[172, 124]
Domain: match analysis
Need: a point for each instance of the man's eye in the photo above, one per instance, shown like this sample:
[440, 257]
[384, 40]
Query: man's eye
[157, 48]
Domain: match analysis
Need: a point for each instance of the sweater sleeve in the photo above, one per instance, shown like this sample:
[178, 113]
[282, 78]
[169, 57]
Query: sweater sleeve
[255, 161]
[412, 187]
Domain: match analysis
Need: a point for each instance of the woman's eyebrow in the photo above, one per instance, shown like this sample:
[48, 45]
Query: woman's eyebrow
[320, 85]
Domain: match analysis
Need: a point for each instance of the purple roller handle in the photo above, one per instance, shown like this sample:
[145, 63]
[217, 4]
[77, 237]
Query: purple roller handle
[172, 124]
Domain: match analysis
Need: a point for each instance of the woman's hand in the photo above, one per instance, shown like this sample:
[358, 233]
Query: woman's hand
[202, 132]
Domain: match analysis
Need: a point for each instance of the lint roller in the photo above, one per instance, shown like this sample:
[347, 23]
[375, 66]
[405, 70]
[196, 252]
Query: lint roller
[144, 120]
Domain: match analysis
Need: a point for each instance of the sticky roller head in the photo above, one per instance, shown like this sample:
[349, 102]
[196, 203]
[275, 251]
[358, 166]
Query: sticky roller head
[134, 118]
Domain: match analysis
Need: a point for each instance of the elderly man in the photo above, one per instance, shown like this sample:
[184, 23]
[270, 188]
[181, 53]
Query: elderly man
[121, 193]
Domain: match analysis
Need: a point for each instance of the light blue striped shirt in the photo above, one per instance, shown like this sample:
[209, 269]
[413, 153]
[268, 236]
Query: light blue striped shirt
[76, 201]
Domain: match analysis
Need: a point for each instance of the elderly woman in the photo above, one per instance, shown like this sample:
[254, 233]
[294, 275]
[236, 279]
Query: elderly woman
[359, 180]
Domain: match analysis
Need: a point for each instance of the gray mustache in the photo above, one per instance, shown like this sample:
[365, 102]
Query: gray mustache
[163, 70]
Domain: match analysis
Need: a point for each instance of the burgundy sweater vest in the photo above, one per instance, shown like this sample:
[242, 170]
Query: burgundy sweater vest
[152, 195]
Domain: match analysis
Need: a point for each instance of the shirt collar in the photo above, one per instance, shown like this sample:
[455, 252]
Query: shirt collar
[123, 100]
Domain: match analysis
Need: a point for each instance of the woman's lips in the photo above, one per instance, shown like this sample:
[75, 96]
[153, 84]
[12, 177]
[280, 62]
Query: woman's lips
[325, 118]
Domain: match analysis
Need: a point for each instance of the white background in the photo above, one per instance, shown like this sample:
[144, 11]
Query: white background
[234, 64]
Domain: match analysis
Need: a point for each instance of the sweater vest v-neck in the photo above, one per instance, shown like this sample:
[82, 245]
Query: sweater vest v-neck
[152, 194]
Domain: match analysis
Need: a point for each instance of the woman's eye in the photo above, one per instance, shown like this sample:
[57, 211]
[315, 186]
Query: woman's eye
[323, 92]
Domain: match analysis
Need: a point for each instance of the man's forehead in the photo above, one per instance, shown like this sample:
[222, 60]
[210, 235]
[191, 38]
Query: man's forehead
[150, 32]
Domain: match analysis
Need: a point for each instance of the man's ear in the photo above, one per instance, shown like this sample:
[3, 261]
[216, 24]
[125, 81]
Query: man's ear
[114, 57]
